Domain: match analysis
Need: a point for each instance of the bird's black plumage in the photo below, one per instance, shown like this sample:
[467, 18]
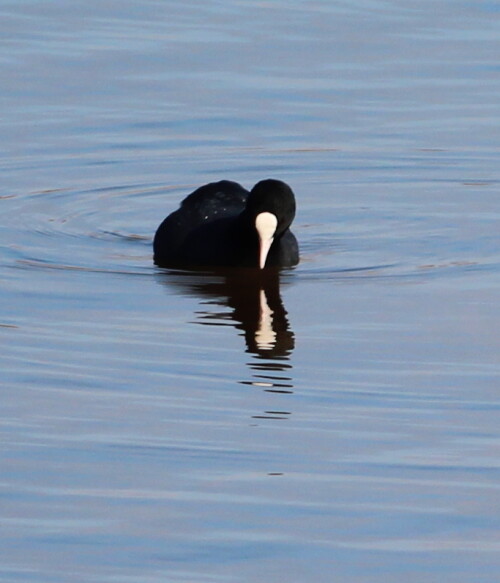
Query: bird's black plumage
[216, 226]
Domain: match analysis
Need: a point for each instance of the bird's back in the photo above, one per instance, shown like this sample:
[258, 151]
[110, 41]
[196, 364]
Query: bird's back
[215, 200]
[207, 204]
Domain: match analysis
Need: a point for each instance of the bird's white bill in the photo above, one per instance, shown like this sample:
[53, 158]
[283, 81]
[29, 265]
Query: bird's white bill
[266, 224]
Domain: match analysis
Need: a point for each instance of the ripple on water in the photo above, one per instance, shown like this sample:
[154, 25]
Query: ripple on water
[82, 230]
[110, 230]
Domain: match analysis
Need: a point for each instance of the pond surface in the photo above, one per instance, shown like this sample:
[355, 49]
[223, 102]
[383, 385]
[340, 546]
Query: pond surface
[336, 422]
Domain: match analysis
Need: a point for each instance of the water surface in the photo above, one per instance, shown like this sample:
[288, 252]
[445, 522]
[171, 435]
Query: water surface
[338, 421]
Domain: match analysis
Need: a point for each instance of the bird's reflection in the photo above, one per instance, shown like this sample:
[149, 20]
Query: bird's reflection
[257, 310]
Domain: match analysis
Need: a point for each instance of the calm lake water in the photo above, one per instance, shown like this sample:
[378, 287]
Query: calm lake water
[337, 422]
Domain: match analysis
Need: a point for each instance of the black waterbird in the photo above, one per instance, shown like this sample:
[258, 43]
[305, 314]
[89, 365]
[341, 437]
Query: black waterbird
[223, 225]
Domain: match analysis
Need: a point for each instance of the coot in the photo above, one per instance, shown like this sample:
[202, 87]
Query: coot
[222, 224]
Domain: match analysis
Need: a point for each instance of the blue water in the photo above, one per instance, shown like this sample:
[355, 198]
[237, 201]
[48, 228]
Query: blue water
[338, 424]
